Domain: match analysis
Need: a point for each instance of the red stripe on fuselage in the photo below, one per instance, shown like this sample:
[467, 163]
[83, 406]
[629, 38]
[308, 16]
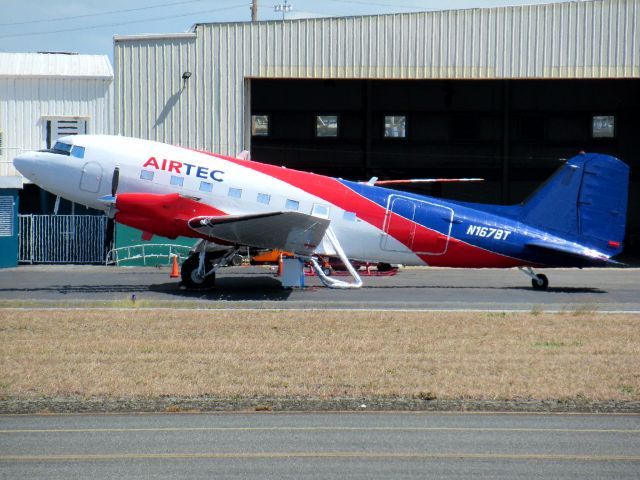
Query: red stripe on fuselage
[458, 253]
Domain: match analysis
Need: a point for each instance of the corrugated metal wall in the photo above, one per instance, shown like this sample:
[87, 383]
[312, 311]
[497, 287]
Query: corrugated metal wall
[152, 100]
[592, 39]
[26, 103]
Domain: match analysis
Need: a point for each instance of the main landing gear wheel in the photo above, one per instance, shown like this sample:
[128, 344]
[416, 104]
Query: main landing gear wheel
[541, 282]
[189, 273]
[384, 267]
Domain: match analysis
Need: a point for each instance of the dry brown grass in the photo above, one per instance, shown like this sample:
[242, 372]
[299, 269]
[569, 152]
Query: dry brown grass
[319, 354]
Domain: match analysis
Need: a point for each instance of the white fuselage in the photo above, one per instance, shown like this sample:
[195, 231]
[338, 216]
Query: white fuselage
[84, 176]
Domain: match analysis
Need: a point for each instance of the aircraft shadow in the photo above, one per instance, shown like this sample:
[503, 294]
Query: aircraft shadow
[70, 289]
[564, 289]
[574, 290]
[235, 288]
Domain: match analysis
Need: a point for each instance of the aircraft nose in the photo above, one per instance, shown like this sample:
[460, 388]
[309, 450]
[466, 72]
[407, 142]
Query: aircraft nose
[25, 164]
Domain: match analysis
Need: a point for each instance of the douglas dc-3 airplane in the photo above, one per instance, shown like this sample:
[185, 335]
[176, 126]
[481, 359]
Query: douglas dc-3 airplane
[575, 219]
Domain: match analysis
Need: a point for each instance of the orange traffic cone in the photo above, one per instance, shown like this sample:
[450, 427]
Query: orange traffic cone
[279, 273]
[175, 272]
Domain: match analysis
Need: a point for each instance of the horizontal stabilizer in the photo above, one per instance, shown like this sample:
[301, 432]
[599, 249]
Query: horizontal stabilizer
[289, 231]
[570, 253]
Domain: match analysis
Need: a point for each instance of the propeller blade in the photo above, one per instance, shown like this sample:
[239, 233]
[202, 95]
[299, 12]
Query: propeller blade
[111, 201]
[115, 180]
[108, 234]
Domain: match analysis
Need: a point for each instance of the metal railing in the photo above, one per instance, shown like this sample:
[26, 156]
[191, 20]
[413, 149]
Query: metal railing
[62, 238]
[147, 253]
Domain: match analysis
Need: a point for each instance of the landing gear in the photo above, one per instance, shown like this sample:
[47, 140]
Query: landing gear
[199, 270]
[192, 279]
[539, 281]
[384, 267]
[236, 260]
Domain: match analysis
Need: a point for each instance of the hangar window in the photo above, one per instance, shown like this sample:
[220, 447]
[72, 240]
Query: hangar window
[177, 181]
[146, 175]
[260, 125]
[292, 205]
[263, 198]
[206, 187]
[326, 125]
[603, 126]
[235, 192]
[395, 126]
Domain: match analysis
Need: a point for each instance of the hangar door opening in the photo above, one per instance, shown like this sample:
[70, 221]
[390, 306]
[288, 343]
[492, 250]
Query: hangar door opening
[511, 133]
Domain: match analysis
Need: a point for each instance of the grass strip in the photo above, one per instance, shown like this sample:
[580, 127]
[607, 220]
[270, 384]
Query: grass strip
[424, 355]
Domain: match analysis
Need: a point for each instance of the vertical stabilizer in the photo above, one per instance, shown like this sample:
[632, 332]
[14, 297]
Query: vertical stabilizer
[585, 199]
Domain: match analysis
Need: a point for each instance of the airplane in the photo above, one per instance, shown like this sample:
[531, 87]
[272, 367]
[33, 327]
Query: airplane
[575, 219]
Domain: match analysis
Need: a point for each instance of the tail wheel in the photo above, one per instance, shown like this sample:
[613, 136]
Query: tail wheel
[190, 278]
[541, 282]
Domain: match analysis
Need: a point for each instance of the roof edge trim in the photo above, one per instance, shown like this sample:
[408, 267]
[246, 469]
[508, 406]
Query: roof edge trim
[154, 36]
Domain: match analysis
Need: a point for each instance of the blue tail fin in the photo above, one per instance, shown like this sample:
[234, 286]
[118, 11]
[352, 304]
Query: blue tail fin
[586, 199]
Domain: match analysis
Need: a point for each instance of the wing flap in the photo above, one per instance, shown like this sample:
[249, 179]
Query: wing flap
[290, 231]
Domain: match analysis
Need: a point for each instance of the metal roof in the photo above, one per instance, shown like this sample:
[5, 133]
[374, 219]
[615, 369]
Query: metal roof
[64, 65]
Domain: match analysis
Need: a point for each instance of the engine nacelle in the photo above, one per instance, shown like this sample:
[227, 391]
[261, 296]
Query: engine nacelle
[164, 215]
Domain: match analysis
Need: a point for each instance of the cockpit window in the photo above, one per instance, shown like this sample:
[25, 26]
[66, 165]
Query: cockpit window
[77, 151]
[62, 147]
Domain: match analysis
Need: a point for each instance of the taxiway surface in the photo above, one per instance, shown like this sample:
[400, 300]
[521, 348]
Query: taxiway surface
[412, 288]
[337, 445]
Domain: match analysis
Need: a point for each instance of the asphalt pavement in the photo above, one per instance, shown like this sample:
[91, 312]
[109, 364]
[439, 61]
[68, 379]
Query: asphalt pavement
[335, 445]
[257, 287]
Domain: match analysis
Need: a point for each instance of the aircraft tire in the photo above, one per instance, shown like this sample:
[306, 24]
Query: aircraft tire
[540, 283]
[384, 267]
[188, 267]
[236, 261]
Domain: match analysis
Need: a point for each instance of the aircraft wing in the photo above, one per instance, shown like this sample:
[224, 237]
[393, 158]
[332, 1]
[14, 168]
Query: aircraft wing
[588, 256]
[289, 231]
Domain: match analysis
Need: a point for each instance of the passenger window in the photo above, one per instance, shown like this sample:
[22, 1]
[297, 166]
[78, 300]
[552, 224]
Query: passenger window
[264, 198]
[146, 175]
[206, 187]
[235, 192]
[292, 204]
[321, 211]
[177, 181]
[349, 216]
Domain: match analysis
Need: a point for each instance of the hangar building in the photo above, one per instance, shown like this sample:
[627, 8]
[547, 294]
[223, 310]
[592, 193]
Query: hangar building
[44, 96]
[499, 93]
